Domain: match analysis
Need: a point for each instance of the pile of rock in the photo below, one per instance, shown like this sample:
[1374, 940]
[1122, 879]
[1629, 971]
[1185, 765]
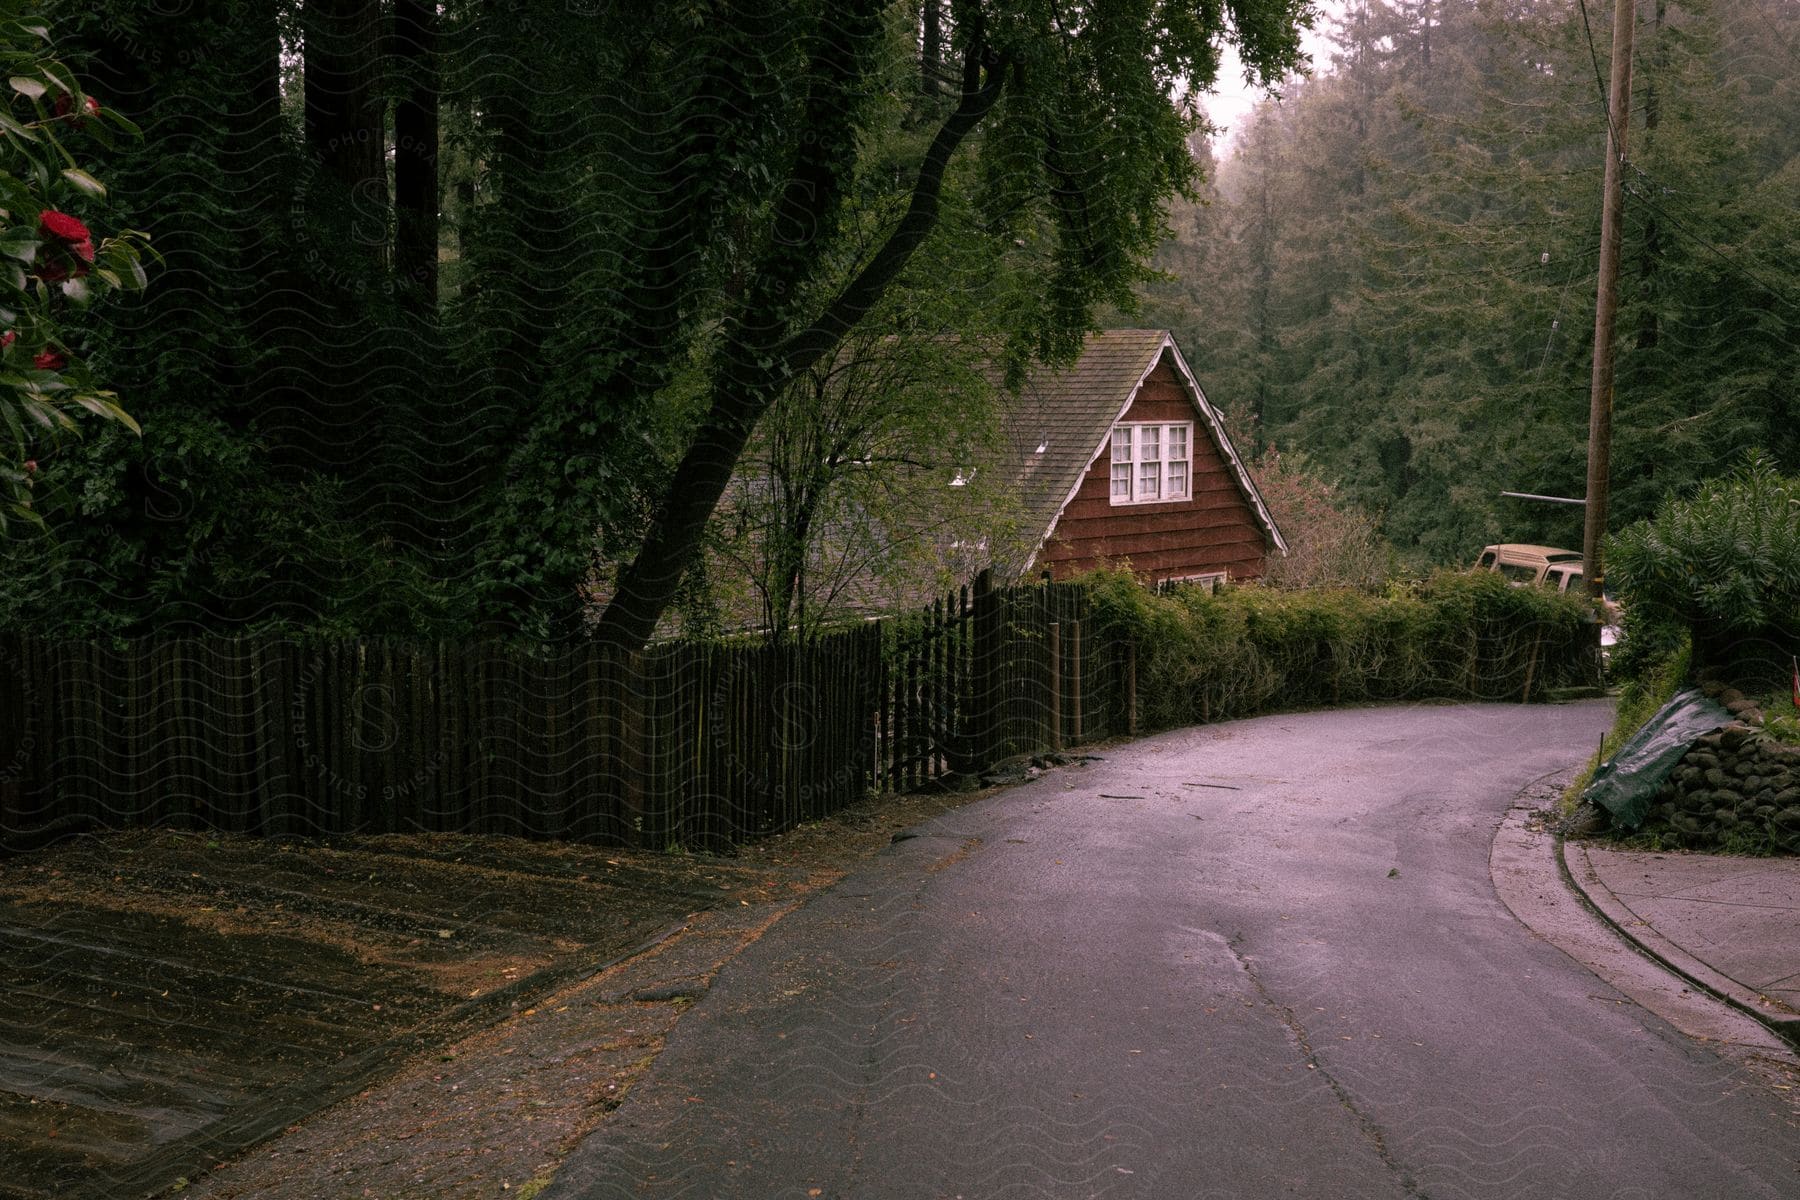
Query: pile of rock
[1733, 782]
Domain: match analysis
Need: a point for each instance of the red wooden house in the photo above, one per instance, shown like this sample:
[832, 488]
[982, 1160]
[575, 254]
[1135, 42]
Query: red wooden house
[1121, 458]
[1118, 459]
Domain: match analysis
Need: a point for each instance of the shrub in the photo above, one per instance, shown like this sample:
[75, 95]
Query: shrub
[1331, 541]
[1726, 559]
[53, 263]
[1213, 656]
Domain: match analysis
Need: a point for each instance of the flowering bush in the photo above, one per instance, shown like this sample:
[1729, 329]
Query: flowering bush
[51, 261]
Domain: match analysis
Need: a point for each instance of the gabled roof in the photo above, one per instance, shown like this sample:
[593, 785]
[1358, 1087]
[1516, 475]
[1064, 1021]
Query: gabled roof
[1021, 493]
[1070, 412]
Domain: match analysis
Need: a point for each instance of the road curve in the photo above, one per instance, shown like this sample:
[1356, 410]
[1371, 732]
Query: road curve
[1255, 959]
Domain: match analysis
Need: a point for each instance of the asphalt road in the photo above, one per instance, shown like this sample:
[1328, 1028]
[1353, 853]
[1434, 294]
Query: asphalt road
[1247, 960]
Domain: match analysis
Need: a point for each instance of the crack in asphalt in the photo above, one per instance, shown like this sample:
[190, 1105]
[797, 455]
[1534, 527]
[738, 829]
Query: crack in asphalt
[1297, 1029]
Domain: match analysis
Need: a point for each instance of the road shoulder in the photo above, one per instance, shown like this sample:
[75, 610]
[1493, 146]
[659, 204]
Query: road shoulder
[1528, 876]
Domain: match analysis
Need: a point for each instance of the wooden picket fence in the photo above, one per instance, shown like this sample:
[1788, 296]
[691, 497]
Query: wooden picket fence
[698, 745]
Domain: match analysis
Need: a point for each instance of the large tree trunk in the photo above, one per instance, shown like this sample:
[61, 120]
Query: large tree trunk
[931, 47]
[346, 120]
[416, 154]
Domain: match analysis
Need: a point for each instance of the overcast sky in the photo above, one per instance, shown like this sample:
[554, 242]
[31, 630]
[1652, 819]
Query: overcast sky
[1230, 104]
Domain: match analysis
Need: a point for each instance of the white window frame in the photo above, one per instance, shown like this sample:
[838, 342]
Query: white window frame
[1211, 580]
[1143, 471]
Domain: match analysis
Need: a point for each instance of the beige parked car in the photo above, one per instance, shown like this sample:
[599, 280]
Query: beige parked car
[1552, 566]
[1523, 563]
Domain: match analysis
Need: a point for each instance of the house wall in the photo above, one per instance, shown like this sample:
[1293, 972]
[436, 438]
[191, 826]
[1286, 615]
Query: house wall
[1215, 529]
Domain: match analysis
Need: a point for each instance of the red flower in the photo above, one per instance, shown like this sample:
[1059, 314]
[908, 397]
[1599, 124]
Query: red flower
[63, 107]
[31, 466]
[63, 227]
[7, 339]
[84, 250]
[49, 360]
[51, 271]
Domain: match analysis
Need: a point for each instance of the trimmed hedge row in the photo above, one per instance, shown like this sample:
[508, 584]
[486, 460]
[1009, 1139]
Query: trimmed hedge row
[1209, 656]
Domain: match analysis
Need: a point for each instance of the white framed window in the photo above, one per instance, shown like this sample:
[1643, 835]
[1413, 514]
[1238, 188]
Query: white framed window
[1122, 442]
[1151, 463]
[1212, 581]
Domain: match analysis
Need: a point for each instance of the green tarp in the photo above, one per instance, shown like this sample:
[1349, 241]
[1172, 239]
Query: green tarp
[1624, 784]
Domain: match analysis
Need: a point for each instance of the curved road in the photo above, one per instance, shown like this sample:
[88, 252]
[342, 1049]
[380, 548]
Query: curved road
[1246, 960]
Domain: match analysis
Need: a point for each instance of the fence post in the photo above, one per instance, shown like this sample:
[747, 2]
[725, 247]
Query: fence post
[1075, 679]
[629, 701]
[1054, 639]
[1131, 707]
[985, 672]
[16, 705]
[1537, 644]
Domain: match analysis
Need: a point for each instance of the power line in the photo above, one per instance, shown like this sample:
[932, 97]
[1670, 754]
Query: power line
[1599, 79]
[1556, 321]
[1648, 197]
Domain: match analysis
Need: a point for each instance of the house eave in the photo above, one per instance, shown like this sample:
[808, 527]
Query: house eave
[1251, 492]
[1214, 424]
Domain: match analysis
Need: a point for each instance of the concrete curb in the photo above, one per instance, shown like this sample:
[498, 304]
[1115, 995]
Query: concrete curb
[1609, 908]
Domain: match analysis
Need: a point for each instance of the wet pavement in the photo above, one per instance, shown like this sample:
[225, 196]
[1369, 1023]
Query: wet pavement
[1260, 958]
[1249, 959]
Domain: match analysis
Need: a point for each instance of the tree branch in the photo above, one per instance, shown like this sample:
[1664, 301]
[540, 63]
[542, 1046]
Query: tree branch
[862, 293]
[749, 382]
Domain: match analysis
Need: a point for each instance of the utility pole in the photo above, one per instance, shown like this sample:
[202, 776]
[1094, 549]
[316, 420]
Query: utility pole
[1618, 120]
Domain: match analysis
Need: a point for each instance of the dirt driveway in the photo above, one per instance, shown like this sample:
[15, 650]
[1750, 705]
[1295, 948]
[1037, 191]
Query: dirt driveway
[428, 1016]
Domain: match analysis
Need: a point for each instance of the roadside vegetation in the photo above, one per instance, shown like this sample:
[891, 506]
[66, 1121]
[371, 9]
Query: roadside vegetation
[1210, 656]
[1711, 590]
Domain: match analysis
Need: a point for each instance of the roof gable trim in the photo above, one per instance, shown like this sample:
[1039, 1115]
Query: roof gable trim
[1215, 425]
[1223, 440]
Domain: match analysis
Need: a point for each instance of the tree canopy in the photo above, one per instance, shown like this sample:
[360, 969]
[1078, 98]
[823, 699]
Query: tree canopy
[464, 299]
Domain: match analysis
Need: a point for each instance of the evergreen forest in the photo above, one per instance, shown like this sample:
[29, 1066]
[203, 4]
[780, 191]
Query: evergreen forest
[1392, 270]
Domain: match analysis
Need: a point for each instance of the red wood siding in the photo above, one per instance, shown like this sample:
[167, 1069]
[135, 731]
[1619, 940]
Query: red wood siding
[1214, 530]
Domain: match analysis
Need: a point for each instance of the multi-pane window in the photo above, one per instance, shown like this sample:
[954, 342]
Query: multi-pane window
[1177, 483]
[1151, 462]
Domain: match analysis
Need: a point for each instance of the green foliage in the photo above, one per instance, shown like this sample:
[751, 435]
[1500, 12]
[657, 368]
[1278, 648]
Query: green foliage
[1647, 639]
[338, 450]
[307, 461]
[1212, 656]
[51, 263]
[1726, 558]
[261, 554]
[1396, 272]
[797, 162]
[1782, 726]
[840, 502]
